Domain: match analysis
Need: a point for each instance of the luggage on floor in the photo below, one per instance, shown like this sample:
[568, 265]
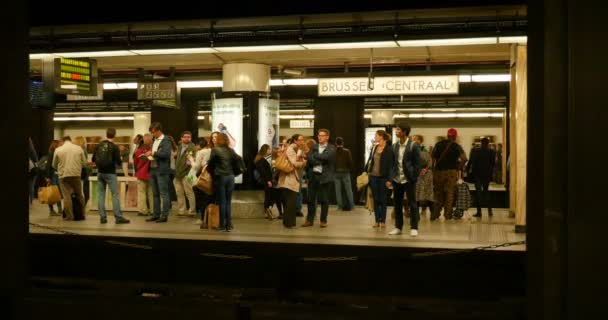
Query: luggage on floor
[463, 199]
[77, 208]
[212, 217]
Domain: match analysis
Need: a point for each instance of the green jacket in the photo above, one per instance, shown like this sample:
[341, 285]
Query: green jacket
[181, 162]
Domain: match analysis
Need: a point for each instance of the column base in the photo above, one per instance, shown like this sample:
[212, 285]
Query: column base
[520, 229]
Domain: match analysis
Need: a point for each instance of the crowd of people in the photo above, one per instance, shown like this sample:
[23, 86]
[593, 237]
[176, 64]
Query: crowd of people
[416, 177]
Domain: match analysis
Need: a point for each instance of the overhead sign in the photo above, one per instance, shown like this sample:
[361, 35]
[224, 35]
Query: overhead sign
[382, 86]
[156, 90]
[76, 76]
[301, 124]
[97, 97]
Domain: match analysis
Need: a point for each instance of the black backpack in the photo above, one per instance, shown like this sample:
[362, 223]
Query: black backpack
[104, 155]
[42, 166]
[238, 165]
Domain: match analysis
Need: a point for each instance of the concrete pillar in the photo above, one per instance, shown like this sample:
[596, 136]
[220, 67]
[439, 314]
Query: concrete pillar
[519, 135]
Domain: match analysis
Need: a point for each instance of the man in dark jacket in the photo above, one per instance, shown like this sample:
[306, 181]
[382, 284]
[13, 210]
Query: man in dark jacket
[481, 167]
[106, 158]
[321, 161]
[406, 169]
[186, 152]
[160, 169]
[344, 167]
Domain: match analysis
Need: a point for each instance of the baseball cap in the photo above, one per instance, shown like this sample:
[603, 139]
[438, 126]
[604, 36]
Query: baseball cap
[452, 132]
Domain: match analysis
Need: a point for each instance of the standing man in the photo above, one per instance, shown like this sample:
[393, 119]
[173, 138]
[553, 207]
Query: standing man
[107, 158]
[322, 161]
[448, 158]
[186, 152]
[405, 173]
[344, 166]
[160, 169]
[481, 166]
[68, 161]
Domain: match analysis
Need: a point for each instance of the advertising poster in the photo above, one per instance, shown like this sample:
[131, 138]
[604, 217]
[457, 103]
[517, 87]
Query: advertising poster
[268, 125]
[370, 133]
[227, 117]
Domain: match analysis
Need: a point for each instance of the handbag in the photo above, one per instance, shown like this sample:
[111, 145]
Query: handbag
[283, 164]
[362, 181]
[205, 181]
[49, 194]
[212, 217]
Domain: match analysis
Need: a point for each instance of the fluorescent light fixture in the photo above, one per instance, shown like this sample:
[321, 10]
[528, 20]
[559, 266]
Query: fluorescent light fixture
[451, 115]
[119, 86]
[95, 54]
[351, 45]
[34, 56]
[145, 52]
[518, 39]
[201, 117]
[201, 84]
[305, 116]
[101, 113]
[464, 78]
[491, 78]
[367, 116]
[93, 118]
[447, 42]
[289, 47]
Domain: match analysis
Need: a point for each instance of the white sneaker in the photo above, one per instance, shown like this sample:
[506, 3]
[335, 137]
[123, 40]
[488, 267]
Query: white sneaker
[199, 221]
[414, 233]
[395, 232]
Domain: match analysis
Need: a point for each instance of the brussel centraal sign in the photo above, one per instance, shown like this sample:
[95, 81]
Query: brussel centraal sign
[383, 86]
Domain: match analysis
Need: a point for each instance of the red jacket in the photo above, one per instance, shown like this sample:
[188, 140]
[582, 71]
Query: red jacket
[142, 165]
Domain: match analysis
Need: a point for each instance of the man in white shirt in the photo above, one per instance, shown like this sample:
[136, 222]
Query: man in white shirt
[404, 176]
[68, 160]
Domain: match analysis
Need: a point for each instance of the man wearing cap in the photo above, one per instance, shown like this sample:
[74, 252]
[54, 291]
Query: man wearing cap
[449, 158]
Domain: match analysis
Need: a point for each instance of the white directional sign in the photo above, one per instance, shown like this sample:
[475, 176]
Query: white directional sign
[382, 86]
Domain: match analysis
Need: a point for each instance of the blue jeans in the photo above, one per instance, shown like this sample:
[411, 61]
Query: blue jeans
[103, 180]
[224, 185]
[379, 191]
[299, 200]
[342, 180]
[160, 190]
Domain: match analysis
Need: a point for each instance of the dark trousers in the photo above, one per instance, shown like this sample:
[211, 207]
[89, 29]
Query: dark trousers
[202, 200]
[160, 190]
[289, 205]
[483, 195]
[409, 189]
[68, 186]
[379, 192]
[224, 186]
[268, 197]
[277, 199]
[318, 191]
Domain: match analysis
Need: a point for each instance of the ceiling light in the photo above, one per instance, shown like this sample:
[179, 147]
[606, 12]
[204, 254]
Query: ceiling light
[201, 84]
[464, 78]
[145, 52]
[201, 117]
[305, 116]
[95, 54]
[491, 78]
[289, 47]
[351, 45]
[367, 116]
[518, 39]
[119, 86]
[453, 115]
[447, 42]
[34, 56]
[93, 118]
[293, 72]
[101, 113]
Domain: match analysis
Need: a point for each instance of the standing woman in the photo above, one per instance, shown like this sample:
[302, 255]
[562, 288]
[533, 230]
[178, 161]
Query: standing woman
[379, 166]
[201, 160]
[53, 178]
[142, 172]
[220, 160]
[289, 182]
[263, 167]
[424, 185]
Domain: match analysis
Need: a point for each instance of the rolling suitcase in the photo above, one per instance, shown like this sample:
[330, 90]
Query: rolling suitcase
[77, 208]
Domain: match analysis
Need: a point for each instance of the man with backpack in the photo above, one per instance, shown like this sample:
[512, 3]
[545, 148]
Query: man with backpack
[107, 158]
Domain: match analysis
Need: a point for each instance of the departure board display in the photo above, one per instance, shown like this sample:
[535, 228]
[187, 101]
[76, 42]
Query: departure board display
[162, 93]
[76, 76]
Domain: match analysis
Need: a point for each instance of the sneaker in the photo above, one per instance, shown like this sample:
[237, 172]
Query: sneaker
[122, 221]
[152, 219]
[395, 232]
[307, 224]
[103, 220]
[269, 214]
[198, 221]
[414, 233]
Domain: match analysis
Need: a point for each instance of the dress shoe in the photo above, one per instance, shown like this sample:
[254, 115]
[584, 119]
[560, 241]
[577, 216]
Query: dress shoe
[122, 221]
[377, 225]
[323, 225]
[307, 224]
[103, 220]
[161, 220]
[477, 215]
[141, 214]
[152, 219]
[490, 213]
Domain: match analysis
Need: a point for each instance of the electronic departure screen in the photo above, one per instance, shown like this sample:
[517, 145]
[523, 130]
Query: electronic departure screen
[76, 76]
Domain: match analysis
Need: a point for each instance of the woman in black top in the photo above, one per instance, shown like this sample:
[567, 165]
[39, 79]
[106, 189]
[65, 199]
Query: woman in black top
[221, 161]
[264, 170]
[379, 166]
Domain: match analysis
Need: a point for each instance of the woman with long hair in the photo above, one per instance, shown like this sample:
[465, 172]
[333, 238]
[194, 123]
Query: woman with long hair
[262, 165]
[289, 182]
[379, 166]
[221, 160]
[142, 172]
[201, 160]
[53, 178]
